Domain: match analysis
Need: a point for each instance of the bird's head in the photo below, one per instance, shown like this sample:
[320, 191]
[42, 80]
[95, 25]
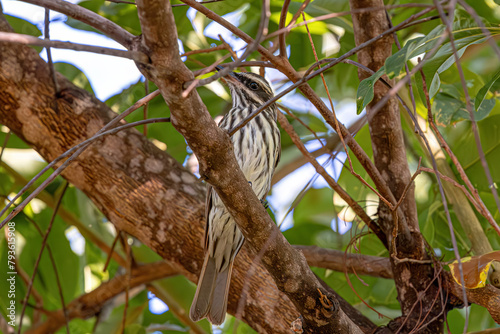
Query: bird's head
[248, 86]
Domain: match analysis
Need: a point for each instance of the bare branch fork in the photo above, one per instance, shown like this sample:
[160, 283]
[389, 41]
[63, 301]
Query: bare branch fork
[166, 97]
[218, 164]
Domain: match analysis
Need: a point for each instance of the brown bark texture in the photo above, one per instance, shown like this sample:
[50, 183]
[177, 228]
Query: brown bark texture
[146, 193]
[389, 155]
[142, 190]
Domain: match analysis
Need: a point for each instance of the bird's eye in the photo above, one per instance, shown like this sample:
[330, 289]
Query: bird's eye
[253, 85]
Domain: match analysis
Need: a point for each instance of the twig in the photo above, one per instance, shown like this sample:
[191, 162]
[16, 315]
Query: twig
[228, 47]
[146, 106]
[470, 109]
[194, 52]
[443, 198]
[331, 145]
[31, 40]
[200, 82]
[292, 24]
[111, 250]
[128, 273]
[49, 59]
[341, 261]
[282, 23]
[336, 122]
[331, 182]
[470, 10]
[178, 310]
[35, 268]
[251, 47]
[407, 70]
[202, 2]
[403, 195]
[476, 201]
[4, 145]
[292, 115]
[232, 28]
[79, 149]
[89, 304]
[109, 28]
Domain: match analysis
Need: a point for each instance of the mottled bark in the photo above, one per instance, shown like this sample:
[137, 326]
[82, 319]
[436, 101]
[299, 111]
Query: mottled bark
[288, 268]
[390, 159]
[143, 191]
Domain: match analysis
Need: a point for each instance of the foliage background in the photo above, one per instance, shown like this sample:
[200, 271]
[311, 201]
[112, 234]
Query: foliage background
[316, 210]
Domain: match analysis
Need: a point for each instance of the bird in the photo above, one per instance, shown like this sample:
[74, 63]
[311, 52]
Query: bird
[257, 147]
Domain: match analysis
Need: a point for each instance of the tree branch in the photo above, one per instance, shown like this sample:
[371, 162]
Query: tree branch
[96, 21]
[346, 262]
[143, 191]
[30, 40]
[89, 304]
[219, 167]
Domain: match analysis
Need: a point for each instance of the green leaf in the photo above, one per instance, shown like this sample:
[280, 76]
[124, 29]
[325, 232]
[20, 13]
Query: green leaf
[396, 62]
[466, 151]
[75, 75]
[492, 86]
[135, 329]
[365, 90]
[465, 33]
[21, 26]
[449, 110]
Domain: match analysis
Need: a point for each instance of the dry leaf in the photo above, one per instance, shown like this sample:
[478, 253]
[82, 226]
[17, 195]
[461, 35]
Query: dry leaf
[475, 269]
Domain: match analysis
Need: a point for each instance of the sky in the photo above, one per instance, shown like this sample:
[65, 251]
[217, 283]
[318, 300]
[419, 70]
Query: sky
[109, 75]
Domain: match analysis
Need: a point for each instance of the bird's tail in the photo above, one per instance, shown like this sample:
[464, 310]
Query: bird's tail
[211, 295]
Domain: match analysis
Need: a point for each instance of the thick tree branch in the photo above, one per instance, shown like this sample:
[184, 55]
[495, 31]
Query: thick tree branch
[351, 263]
[219, 167]
[96, 21]
[488, 297]
[143, 191]
[89, 304]
[31, 40]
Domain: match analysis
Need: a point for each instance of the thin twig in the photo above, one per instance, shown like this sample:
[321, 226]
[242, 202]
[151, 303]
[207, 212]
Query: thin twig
[111, 250]
[49, 59]
[4, 145]
[403, 195]
[331, 182]
[146, 106]
[37, 262]
[282, 23]
[108, 27]
[292, 24]
[251, 47]
[200, 82]
[292, 115]
[194, 52]
[79, 149]
[128, 251]
[470, 108]
[470, 10]
[31, 40]
[202, 2]
[407, 70]
[476, 201]
[443, 198]
[456, 184]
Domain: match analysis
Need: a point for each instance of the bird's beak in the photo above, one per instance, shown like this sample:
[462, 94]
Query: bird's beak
[231, 77]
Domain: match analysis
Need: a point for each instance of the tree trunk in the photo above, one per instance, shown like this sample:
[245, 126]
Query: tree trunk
[389, 155]
[142, 190]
